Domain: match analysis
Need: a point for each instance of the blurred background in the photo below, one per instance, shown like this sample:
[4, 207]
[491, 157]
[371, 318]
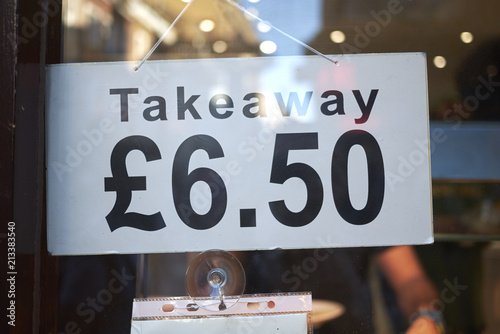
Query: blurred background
[462, 42]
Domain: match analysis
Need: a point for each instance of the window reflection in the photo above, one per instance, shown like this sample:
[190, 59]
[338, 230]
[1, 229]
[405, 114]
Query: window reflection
[466, 208]
[460, 39]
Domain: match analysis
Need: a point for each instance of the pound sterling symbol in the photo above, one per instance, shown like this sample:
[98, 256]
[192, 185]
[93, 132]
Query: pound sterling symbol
[124, 185]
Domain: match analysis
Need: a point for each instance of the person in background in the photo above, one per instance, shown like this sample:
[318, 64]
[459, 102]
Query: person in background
[416, 295]
[341, 275]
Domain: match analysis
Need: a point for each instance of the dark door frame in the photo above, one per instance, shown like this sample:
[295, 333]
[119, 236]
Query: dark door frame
[30, 39]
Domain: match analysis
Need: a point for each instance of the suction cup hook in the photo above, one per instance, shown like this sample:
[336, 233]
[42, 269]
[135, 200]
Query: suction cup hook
[215, 280]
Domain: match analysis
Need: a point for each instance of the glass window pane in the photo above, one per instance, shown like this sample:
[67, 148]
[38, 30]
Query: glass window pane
[461, 40]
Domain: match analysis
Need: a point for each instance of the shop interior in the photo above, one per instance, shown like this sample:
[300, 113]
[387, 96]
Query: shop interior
[461, 40]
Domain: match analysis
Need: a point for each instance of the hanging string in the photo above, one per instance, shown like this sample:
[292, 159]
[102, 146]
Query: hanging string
[243, 9]
[163, 36]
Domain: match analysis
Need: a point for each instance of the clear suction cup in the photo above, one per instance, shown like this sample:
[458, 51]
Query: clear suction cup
[215, 280]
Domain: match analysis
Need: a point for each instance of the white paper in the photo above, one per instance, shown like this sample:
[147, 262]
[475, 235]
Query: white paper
[269, 313]
[285, 323]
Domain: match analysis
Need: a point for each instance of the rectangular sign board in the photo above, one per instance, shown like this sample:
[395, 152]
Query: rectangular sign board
[238, 154]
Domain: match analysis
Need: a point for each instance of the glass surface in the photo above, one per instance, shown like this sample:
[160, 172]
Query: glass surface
[466, 208]
[462, 42]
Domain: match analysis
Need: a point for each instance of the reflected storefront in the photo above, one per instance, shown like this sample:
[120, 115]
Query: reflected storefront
[461, 40]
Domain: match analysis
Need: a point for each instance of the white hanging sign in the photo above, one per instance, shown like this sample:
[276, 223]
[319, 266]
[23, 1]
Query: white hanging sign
[238, 154]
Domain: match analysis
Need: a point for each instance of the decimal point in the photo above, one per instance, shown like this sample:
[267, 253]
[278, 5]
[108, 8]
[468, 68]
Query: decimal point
[248, 218]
